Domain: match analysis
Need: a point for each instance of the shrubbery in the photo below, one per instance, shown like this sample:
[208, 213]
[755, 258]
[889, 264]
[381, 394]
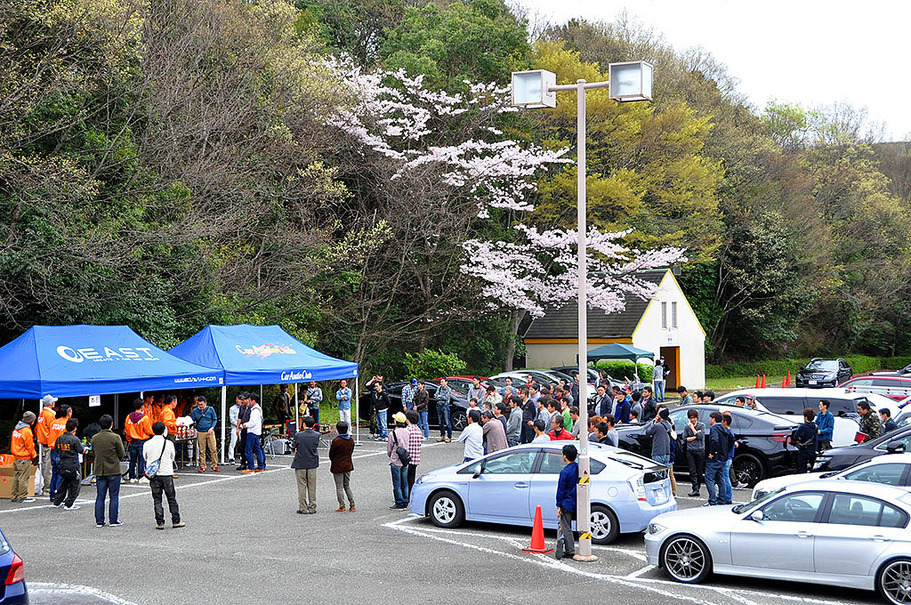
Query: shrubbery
[861, 364]
[625, 369]
[431, 364]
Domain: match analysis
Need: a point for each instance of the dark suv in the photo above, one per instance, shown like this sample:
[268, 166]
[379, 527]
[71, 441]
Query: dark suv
[824, 373]
[764, 441]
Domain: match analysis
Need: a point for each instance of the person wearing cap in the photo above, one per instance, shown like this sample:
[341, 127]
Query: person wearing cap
[566, 498]
[398, 437]
[408, 394]
[750, 402]
[22, 447]
[421, 406]
[42, 432]
[305, 464]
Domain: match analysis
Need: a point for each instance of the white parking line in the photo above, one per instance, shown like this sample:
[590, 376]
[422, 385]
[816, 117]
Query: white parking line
[61, 591]
[633, 579]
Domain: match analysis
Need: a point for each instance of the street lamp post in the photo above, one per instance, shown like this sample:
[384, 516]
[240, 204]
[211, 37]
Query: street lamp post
[630, 81]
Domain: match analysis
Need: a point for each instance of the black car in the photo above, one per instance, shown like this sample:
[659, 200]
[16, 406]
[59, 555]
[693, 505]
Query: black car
[764, 441]
[823, 373]
[457, 406]
[836, 459]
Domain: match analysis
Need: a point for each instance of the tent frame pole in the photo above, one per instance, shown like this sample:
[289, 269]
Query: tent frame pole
[354, 417]
[224, 419]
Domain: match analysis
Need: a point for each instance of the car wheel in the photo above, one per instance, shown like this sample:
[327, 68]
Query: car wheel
[604, 525]
[747, 469]
[459, 420]
[894, 581]
[446, 510]
[686, 559]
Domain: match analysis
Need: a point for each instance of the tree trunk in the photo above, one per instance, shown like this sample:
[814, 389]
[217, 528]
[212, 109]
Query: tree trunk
[515, 319]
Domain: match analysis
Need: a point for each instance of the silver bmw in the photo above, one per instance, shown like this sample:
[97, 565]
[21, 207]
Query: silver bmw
[842, 533]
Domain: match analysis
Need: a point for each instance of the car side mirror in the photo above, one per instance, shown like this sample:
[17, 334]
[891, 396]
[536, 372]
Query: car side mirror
[895, 447]
[757, 516]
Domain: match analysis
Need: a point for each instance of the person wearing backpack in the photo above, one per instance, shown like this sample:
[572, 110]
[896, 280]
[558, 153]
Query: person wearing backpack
[399, 458]
[158, 453]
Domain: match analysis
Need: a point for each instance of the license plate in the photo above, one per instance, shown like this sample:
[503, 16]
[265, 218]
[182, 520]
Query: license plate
[812, 382]
[660, 497]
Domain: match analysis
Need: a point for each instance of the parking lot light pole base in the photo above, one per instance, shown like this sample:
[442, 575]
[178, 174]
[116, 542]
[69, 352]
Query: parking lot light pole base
[585, 558]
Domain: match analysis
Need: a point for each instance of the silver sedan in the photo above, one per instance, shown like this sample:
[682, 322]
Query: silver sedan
[842, 533]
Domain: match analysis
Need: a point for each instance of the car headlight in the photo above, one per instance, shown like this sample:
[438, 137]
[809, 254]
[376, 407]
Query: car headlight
[820, 461]
[655, 528]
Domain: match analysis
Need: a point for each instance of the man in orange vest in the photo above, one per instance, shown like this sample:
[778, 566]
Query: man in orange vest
[148, 407]
[169, 418]
[138, 430]
[22, 447]
[58, 427]
[42, 431]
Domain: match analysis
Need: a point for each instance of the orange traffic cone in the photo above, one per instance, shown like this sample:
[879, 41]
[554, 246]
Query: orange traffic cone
[757, 381]
[537, 535]
[787, 379]
[762, 386]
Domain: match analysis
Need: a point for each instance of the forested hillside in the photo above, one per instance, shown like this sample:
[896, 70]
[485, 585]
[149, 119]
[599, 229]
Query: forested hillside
[351, 170]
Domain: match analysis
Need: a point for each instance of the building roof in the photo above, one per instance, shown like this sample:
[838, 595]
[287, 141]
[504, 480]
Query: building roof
[563, 322]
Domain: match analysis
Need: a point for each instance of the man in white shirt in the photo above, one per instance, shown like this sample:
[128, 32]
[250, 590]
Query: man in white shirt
[473, 437]
[160, 449]
[254, 428]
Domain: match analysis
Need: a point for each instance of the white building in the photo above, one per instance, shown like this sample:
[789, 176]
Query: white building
[665, 325]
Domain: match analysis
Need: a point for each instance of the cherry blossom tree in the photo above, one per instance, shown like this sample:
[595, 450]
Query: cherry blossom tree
[445, 155]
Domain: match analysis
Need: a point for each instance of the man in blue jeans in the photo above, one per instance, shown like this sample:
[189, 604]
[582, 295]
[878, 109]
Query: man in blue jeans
[379, 399]
[108, 449]
[444, 397]
[716, 457]
[727, 495]
[397, 438]
[422, 405]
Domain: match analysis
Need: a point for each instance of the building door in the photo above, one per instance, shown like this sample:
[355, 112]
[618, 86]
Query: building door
[672, 359]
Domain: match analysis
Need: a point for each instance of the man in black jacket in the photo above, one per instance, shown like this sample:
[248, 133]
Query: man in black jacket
[379, 399]
[529, 414]
[305, 463]
[68, 448]
[716, 455]
[806, 437]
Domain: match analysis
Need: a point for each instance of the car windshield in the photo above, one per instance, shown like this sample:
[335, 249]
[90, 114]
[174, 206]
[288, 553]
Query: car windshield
[757, 501]
[822, 365]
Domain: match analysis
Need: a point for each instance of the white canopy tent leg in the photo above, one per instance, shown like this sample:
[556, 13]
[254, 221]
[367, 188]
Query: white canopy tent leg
[224, 419]
[354, 416]
[297, 415]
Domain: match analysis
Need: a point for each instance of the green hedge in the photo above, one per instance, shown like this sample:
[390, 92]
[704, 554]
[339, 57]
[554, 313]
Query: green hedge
[625, 369]
[861, 364]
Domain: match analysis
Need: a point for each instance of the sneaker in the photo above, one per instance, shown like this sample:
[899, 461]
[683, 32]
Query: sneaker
[351, 509]
[116, 523]
[341, 509]
[181, 524]
[202, 470]
[693, 494]
[741, 485]
[30, 499]
[215, 469]
[134, 480]
[247, 471]
[232, 461]
[159, 526]
[709, 504]
[73, 507]
[57, 505]
[144, 480]
[101, 524]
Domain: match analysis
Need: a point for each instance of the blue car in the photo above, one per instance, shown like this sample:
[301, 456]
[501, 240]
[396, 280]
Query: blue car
[627, 490]
[11, 568]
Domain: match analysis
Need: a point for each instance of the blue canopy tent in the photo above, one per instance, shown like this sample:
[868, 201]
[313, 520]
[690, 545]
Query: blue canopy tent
[251, 355]
[74, 361]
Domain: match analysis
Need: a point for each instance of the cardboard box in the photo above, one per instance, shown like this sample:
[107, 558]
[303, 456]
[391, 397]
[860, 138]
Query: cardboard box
[6, 481]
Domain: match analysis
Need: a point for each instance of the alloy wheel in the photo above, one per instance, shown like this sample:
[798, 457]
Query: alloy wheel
[895, 581]
[685, 559]
[444, 510]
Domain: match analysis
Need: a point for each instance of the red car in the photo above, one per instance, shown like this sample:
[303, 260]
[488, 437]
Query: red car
[893, 387]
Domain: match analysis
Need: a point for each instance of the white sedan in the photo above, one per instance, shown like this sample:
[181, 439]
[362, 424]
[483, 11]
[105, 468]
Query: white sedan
[840, 533]
[892, 469]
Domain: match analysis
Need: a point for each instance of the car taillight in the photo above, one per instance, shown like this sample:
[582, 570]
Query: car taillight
[16, 572]
[781, 437]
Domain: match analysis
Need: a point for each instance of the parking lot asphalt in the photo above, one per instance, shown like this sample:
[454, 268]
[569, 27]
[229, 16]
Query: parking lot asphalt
[245, 543]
